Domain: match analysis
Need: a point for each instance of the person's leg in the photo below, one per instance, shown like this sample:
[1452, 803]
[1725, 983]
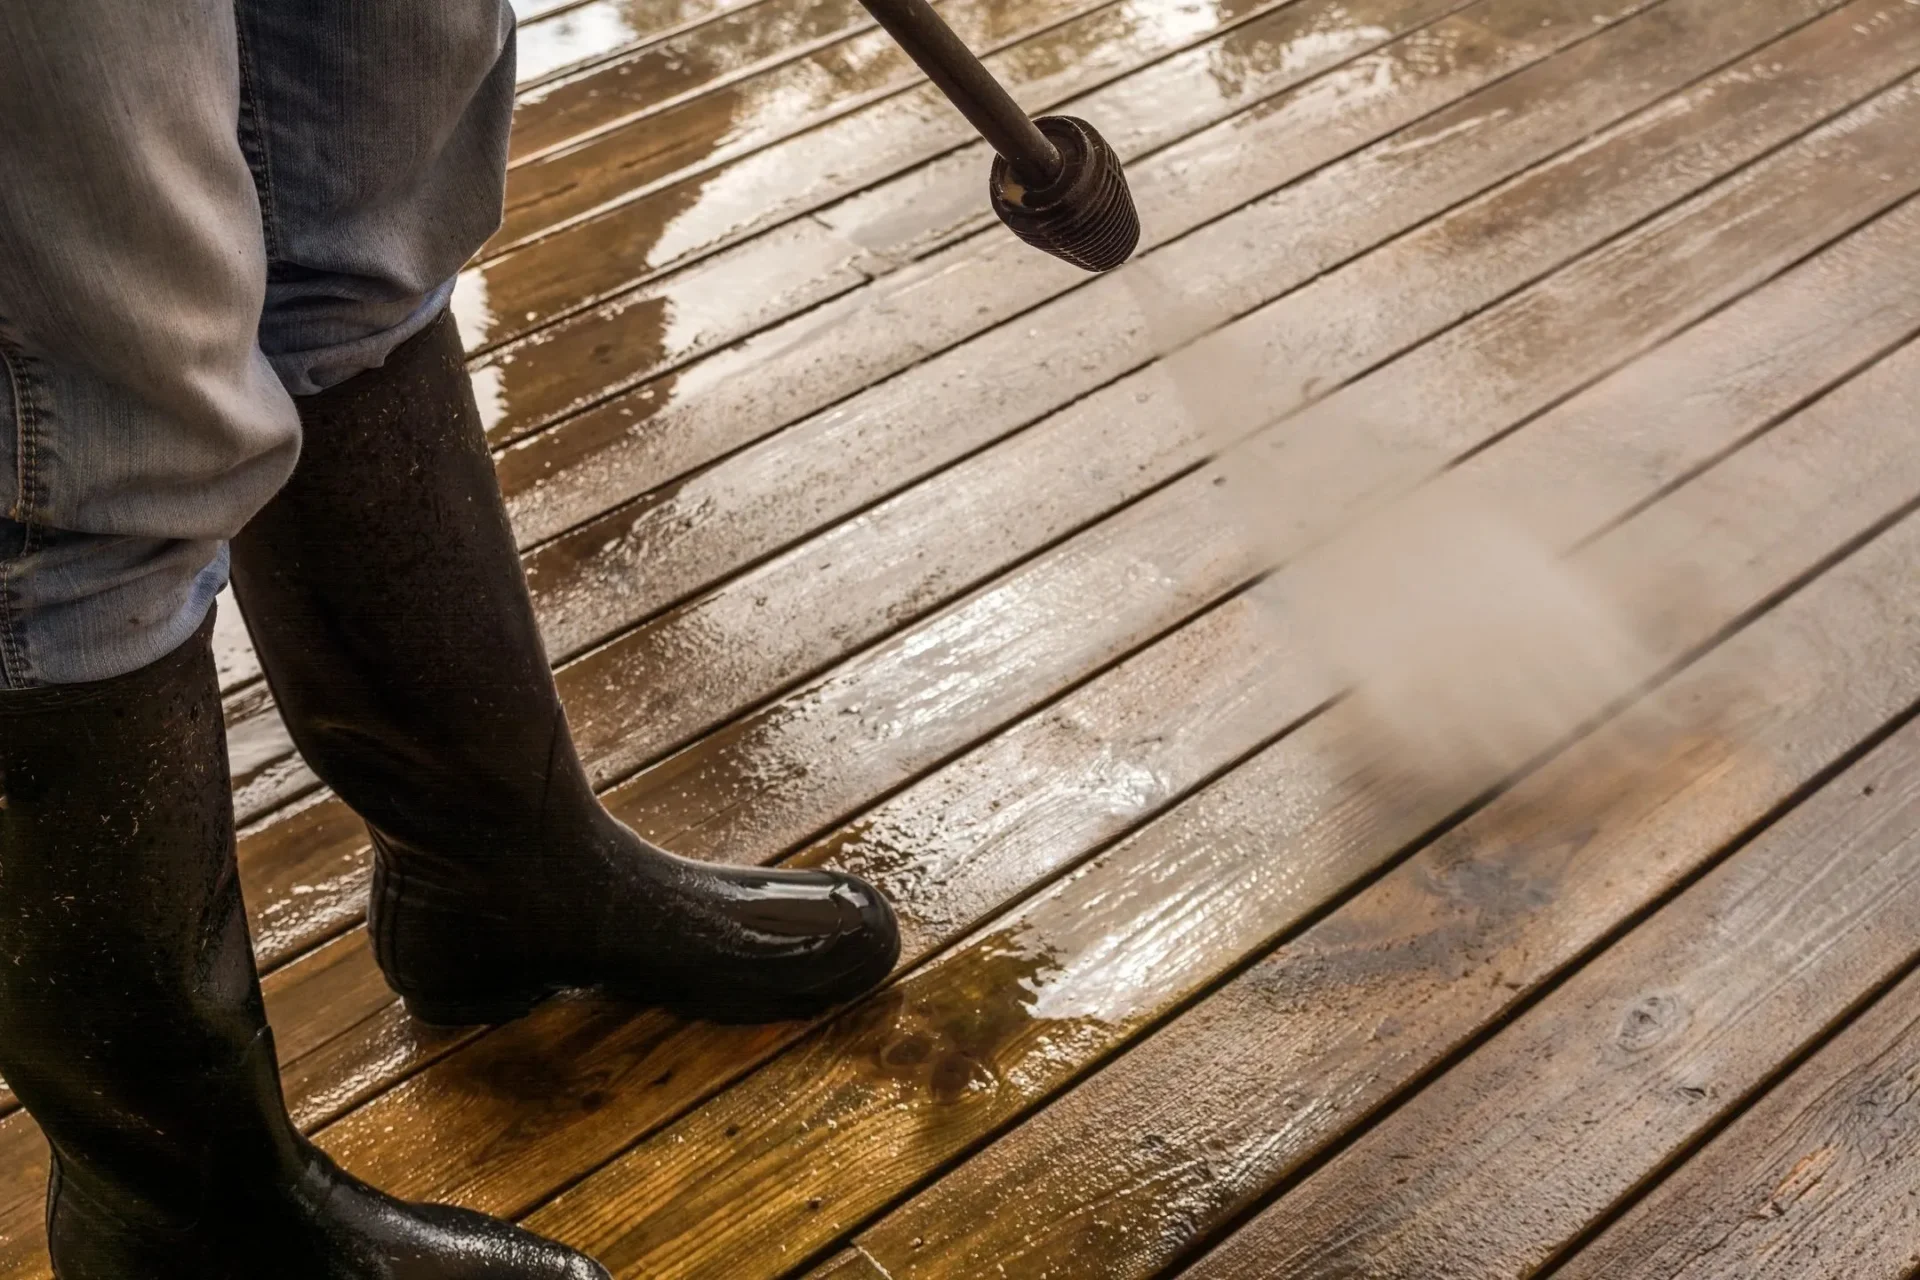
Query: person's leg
[141, 426]
[139, 423]
[385, 595]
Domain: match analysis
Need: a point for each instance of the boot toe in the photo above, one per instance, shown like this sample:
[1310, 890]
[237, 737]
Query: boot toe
[798, 943]
[464, 1245]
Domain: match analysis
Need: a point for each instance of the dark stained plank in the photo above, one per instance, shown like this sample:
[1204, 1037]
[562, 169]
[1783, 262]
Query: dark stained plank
[1491, 1169]
[1127, 1173]
[860, 1113]
[1819, 1180]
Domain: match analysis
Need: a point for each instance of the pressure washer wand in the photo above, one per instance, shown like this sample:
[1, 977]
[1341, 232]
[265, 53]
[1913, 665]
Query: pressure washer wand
[1055, 182]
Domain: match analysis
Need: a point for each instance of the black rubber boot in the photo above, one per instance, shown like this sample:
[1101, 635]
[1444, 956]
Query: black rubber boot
[131, 1023]
[388, 607]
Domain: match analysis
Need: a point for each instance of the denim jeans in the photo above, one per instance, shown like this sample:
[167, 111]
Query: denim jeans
[207, 208]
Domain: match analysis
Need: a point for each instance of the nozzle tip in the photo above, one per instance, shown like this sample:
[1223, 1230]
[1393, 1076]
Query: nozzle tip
[1085, 215]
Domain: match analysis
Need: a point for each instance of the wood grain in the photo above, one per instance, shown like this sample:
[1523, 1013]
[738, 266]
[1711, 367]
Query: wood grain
[1714, 369]
[1820, 1180]
[1493, 1167]
[879, 844]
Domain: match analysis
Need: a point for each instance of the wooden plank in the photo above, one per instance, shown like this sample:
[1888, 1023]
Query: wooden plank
[1491, 1169]
[336, 894]
[886, 225]
[858, 1114]
[1335, 328]
[1820, 1180]
[1129, 1171]
[626, 86]
[23, 1179]
[620, 569]
[865, 81]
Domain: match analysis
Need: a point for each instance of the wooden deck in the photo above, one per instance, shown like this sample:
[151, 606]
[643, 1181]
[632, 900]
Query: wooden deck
[864, 536]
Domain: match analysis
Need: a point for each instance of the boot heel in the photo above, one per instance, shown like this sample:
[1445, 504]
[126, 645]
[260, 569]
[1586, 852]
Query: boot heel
[471, 1011]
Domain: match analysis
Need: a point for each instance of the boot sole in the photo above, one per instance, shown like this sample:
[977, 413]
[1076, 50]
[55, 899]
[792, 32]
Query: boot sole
[477, 1012]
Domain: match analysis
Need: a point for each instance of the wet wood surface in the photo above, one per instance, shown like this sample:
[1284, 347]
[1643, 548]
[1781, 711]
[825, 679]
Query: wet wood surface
[862, 536]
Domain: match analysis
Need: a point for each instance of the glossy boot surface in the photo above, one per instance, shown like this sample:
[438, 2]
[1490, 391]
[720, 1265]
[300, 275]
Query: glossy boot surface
[386, 600]
[131, 1023]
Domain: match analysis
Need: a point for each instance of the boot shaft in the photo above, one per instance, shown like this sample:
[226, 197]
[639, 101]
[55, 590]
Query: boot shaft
[390, 612]
[131, 1021]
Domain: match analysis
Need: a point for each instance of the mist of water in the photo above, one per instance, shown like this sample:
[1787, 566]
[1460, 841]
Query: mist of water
[1448, 611]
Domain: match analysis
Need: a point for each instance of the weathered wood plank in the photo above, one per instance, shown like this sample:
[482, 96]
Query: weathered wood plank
[1128, 1172]
[857, 1115]
[1820, 1180]
[1491, 1169]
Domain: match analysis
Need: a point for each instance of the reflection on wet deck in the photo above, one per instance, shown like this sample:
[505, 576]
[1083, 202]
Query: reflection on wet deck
[861, 536]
